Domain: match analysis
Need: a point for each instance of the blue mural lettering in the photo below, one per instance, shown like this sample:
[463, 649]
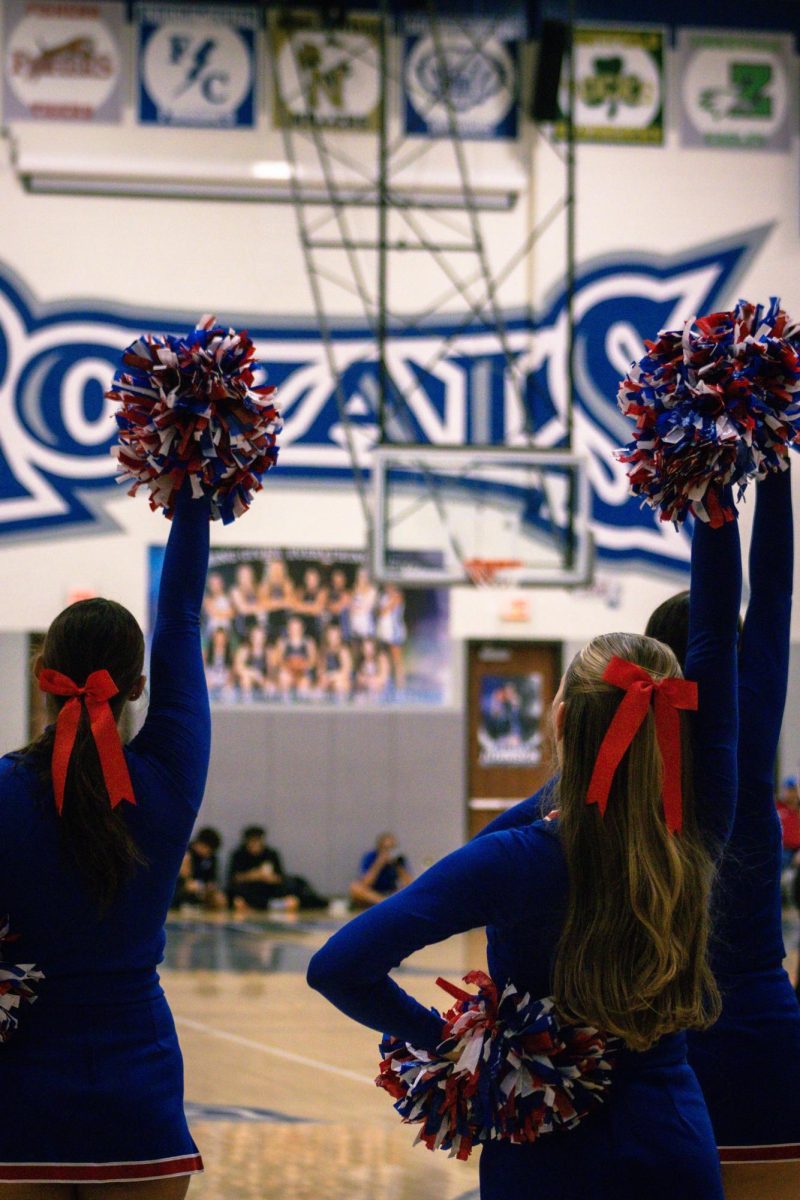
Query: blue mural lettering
[56, 428]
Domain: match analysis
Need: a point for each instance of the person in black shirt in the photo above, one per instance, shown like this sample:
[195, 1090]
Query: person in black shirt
[256, 875]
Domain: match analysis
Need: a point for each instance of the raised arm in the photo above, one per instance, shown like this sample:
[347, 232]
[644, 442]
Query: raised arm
[764, 652]
[175, 738]
[466, 890]
[714, 601]
[749, 920]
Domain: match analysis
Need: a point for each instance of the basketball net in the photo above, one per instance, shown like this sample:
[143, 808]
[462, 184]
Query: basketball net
[492, 572]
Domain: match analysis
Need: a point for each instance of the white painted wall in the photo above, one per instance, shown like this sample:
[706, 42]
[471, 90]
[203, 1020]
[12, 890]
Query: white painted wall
[14, 710]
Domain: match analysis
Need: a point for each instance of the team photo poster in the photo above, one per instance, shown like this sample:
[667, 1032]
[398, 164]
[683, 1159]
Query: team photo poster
[299, 626]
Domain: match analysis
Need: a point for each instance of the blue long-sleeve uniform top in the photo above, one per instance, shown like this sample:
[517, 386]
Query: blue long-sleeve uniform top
[749, 935]
[88, 958]
[514, 881]
[758, 1033]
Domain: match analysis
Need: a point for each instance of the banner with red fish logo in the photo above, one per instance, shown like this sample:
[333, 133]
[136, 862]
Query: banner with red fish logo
[62, 62]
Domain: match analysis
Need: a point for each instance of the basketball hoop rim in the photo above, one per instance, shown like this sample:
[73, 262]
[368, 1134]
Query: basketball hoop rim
[491, 572]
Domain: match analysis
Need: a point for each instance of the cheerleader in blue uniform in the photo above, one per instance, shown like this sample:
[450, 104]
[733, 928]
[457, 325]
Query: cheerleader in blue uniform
[757, 1037]
[607, 912]
[91, 843]
[748, 1063]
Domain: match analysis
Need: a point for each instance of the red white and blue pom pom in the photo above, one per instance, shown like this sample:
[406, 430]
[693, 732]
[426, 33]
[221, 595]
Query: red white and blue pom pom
[17, 987]
[716, 404]
[517, 1072]
[189, 410]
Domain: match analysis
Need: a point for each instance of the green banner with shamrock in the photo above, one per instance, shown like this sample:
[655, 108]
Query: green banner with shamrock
[619, 86]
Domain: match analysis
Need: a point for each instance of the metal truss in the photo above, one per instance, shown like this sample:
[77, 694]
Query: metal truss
[356, 222]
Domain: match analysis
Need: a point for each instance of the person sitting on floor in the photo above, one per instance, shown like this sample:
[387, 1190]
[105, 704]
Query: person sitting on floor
[197, 882]
[256, 875]
[383, 872]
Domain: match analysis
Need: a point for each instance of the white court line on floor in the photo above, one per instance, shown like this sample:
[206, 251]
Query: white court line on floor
[275, 1051]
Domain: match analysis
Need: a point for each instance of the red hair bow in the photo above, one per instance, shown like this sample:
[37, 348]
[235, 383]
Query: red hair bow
[96, 693]
[668, 695]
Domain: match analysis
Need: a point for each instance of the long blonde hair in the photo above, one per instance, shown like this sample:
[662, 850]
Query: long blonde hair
[632, 958]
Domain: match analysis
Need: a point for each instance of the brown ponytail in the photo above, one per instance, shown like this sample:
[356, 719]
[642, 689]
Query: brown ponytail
[632, 959]
[90, 636]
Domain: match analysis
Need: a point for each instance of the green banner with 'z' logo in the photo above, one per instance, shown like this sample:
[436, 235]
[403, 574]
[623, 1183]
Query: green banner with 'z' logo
[736, 90]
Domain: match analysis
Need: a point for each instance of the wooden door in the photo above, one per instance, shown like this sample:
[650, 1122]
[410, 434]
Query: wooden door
[511, 686]
[37, 708]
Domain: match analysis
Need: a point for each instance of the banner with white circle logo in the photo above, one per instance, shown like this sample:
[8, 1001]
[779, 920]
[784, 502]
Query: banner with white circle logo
[461, 77]
[737, 90]
[62, 62]
[196, 65]
[619, 87]
[326, 76]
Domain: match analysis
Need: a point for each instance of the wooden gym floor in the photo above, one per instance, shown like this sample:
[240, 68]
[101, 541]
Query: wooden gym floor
[279, 1085]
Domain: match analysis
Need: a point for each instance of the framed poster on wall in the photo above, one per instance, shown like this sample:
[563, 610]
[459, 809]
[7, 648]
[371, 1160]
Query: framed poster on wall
[510, 723]
[510, 691]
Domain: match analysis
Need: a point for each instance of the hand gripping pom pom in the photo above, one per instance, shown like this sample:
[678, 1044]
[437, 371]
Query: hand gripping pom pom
[17, 982]
[188, 409]
[516, 1072]
[715, 405]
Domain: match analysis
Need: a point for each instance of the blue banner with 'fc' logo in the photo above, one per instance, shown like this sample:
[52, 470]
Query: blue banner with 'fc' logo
[197, 65]
[56, 362]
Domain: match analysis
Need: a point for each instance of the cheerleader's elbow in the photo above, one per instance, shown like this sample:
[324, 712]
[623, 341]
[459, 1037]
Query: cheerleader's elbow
[324, 973]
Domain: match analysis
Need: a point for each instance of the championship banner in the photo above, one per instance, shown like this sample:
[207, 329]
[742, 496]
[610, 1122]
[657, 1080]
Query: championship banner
[63, 62]
[196, 65]
[461, 77]
[619, 87]
[326, 77]
[737, 90]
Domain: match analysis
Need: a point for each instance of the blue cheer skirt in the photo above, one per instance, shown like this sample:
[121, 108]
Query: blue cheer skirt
[748, 1065]
[94, 1094]
[651, 1139]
